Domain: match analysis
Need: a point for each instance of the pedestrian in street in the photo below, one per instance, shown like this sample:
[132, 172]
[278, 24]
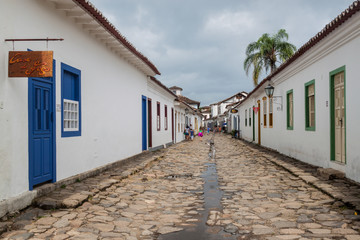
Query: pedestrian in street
[208, 129]
[191, 132]
[187, 132]
[200, 134]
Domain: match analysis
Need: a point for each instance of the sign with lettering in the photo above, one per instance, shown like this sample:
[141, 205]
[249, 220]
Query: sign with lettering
[30, 63]
[233, 110]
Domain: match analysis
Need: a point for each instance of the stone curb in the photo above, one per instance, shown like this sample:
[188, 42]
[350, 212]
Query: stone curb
[78, 198]
[324, 186]
[11, 207]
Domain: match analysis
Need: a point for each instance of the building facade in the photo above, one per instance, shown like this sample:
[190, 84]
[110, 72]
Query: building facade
[312, 114]
[101, 105]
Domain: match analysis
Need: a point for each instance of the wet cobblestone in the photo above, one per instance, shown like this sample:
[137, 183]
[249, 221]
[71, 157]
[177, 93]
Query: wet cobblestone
[261, 200]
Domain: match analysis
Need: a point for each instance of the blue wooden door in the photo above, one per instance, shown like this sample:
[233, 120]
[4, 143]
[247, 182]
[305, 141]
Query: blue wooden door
[144, 137]
[41, 132]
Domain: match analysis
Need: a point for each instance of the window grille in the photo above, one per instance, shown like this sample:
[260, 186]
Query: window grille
[71, 115]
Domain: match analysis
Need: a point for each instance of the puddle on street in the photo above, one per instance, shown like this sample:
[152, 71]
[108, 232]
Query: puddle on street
[212, 202]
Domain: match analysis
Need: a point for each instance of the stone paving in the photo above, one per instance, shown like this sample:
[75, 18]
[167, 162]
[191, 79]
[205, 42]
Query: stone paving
[261, 200]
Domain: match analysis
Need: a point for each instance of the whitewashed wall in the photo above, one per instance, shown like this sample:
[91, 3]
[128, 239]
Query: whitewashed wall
[111, 91]
[340, 48]
[214, 110]
[180, 121]
[158, 94]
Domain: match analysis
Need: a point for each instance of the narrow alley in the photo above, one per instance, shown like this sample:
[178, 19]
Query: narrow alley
[211, 188]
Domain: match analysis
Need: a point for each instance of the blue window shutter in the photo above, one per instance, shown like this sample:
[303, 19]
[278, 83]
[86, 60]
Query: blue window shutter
[70, 90]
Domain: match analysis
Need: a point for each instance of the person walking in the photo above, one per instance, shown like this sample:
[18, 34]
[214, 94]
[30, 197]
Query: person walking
[191, 132]
[187, 132]
[200, 134]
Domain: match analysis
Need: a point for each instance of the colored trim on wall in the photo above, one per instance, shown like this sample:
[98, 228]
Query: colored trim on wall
[77, 72]
[288, 110]
[332, 113]
[307, 117]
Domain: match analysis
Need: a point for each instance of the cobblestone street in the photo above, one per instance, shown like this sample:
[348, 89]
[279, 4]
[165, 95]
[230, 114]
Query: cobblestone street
[256, 199]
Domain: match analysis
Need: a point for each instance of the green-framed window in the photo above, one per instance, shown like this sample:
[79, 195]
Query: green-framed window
[245, 117]
[290, 109]
[338, 115]
[310, 106]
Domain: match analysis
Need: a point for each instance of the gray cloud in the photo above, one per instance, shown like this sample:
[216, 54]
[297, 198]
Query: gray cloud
[200, 45]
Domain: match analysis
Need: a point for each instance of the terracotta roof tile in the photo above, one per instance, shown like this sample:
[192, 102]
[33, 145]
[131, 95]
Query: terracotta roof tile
[188, 100]
[102, 20]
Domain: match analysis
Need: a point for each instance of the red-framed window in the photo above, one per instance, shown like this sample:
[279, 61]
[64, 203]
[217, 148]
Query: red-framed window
[158, 116]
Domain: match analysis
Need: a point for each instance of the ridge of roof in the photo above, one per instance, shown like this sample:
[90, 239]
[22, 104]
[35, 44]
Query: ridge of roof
[162, 85]
[175, 87]
[188, 100]
[236, 94]
[102, 20]
[336, 22]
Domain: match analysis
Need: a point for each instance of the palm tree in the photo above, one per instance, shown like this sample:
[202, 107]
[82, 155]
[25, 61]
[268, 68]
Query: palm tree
[267, 52]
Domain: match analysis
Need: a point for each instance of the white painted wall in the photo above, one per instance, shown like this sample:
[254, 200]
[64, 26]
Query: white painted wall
[111, 91]
[340, 48]
[158, 94]
[214, 110]
[180, 122]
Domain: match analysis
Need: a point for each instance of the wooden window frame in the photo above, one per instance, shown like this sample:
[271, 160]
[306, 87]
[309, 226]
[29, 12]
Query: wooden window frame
[265, 111]
[307, 107]
[166, 117]
[76, 89]
[332, 112]
[245, 117]
[288, 125]
[271, 112]
[158, 119]
[249, 117]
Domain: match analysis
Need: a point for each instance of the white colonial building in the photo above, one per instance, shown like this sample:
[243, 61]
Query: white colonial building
[102, 104]
[312, 114]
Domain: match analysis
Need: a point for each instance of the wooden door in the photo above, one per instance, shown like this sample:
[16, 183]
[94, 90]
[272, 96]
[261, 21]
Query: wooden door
[143, 121]
[339, 117]
[149, 123]
[41, 132]
[259, 123]
[172, 125]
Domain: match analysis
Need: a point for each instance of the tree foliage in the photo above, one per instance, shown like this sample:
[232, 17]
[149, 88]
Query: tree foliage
[267, 53]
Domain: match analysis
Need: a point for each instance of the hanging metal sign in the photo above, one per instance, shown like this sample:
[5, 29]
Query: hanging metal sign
[30, 63]
[233, 110]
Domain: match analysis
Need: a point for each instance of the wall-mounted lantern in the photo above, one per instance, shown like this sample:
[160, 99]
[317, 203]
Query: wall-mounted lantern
[269, 91]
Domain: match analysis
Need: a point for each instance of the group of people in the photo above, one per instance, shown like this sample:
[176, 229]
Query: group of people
[190, 133]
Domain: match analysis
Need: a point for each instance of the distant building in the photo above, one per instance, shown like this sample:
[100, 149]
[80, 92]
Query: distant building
[178, 92]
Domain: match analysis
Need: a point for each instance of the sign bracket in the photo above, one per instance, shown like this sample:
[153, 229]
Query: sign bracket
[13, 40]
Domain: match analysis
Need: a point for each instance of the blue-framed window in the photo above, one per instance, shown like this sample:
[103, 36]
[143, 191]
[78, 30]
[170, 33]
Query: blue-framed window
[70, 101]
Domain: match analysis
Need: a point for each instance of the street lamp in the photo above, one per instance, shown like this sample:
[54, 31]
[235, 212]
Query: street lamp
[269, 91]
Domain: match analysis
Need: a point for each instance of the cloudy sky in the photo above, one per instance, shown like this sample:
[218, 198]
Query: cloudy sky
[199, 45]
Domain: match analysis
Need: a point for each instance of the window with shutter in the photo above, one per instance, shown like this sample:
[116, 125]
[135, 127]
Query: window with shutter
[166, 118]
[158, 116]
[265, 110]
[249, 117]
[310, 106]
[71, 101]
[290, 109]
[270, 112]
[246, 118]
